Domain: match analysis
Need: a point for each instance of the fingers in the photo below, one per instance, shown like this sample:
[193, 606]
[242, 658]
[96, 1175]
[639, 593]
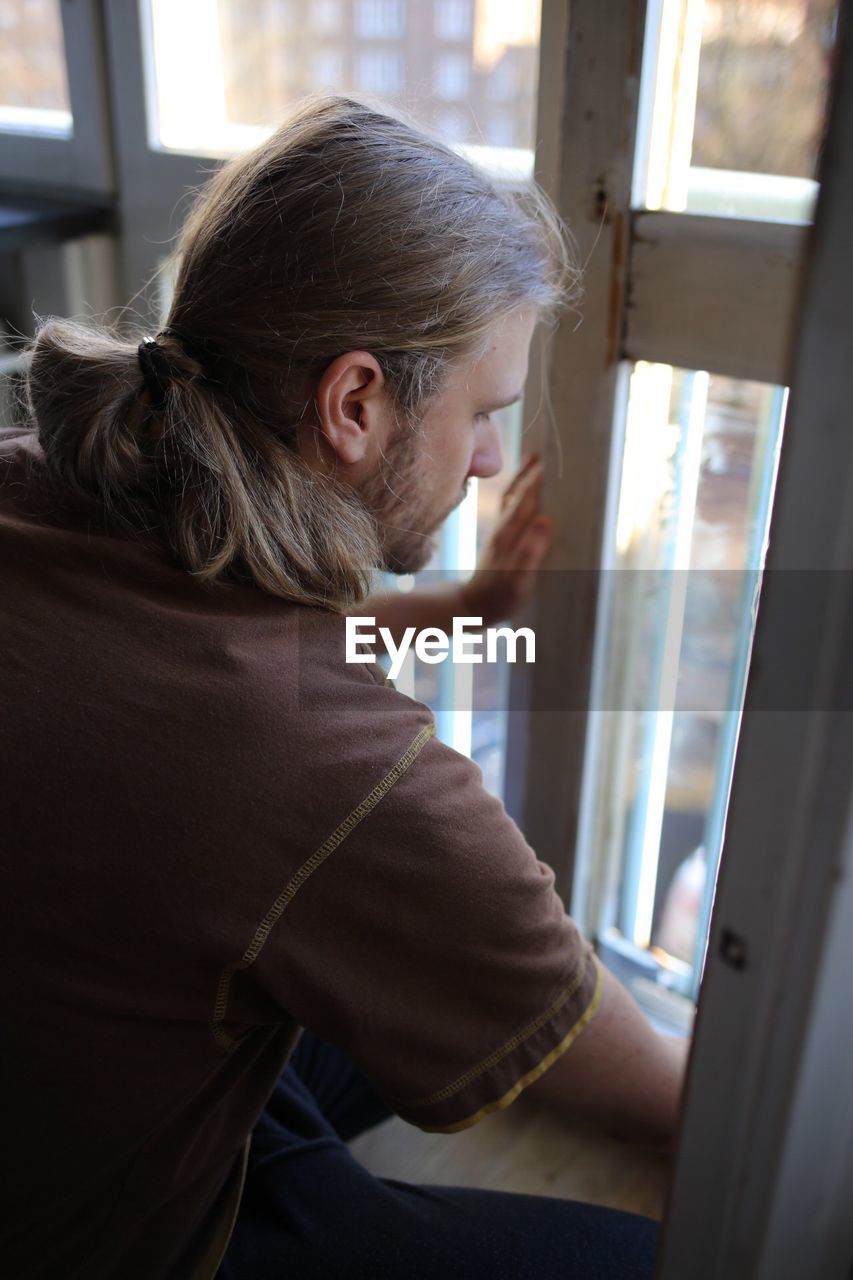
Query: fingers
[518, 583]
[526, 501]
[528, 550]
[518, 479]
[534, 546]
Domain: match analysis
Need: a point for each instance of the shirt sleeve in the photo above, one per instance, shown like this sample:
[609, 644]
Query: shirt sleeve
[422, 936]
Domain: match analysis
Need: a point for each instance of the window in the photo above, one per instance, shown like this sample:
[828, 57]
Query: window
[379, 19]
[452, 19]
[712, 144]
[673, 390]
[677, 607]
[503, 79]
[34, 94]
[499, 129]
[326, 17]
[682, 148]
[244, 83]
[54, 128]
[250, 62]
[452, 124]
[327, 69]
[380, 71]
[451, 76]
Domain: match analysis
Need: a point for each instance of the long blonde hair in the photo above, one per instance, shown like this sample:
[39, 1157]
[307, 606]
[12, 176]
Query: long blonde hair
[348, 229]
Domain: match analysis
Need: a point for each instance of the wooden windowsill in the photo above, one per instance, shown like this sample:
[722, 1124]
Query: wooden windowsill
[523, 1149]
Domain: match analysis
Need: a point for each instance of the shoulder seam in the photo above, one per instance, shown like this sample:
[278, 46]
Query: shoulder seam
[296, 881]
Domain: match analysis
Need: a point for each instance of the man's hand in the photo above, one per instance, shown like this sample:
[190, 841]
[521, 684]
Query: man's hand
[505, 575]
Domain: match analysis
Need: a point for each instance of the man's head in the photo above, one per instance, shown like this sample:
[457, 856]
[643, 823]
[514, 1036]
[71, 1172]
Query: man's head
[411, 475]
[353, 300]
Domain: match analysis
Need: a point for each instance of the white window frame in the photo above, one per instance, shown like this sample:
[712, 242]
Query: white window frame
[764, 1175]
[700, 292]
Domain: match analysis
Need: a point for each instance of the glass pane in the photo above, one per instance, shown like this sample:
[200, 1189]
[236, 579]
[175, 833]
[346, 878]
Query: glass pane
[469, 703]
[466, 69]
[678, 596]
[733, 104]
[33, 80]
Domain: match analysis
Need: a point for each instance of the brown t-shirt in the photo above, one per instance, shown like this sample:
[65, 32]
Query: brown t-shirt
[214, 832]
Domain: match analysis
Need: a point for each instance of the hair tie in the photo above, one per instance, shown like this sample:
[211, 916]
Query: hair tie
[155, 370]
[196, 348]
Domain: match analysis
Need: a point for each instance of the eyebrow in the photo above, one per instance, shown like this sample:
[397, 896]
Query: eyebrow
[503, 404]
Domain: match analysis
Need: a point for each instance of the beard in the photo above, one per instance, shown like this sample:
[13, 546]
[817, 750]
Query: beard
[405, 519]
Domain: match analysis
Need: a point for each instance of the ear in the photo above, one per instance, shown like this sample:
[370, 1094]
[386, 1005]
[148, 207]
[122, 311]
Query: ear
[354, 410]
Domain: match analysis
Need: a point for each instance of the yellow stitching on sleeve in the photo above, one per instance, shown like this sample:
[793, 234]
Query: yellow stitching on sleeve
[510, 1096]
[307, 869]
[499, 1054]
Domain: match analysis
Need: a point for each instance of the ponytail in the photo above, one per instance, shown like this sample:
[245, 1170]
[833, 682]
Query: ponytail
[232, 501]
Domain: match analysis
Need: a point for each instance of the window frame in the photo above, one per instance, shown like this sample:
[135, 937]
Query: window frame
[639, 267]
[755, 1114]
[764, 1174]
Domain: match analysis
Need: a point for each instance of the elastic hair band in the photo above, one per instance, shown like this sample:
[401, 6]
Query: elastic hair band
[154, 363]
[155, 370]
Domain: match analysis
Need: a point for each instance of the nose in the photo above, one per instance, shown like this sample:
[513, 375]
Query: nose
[487, 458]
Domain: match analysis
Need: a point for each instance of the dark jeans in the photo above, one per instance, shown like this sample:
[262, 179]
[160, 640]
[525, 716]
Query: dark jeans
[311, 1210]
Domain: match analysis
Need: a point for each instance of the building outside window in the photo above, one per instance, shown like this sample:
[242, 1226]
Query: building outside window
[452, 76]
[452, 19]
[499, 129]
[379, 19]
[327, 68]
[326, 17]
[380, 71]
[452, 124]
[503, 81]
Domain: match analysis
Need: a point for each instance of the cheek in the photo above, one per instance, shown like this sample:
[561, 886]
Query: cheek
[451, 456]
[450, 441]
[464, 448]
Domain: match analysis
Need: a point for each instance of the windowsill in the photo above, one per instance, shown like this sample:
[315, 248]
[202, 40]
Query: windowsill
[526, 1149]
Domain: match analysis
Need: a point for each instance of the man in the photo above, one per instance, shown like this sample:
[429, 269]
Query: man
[219, 832]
